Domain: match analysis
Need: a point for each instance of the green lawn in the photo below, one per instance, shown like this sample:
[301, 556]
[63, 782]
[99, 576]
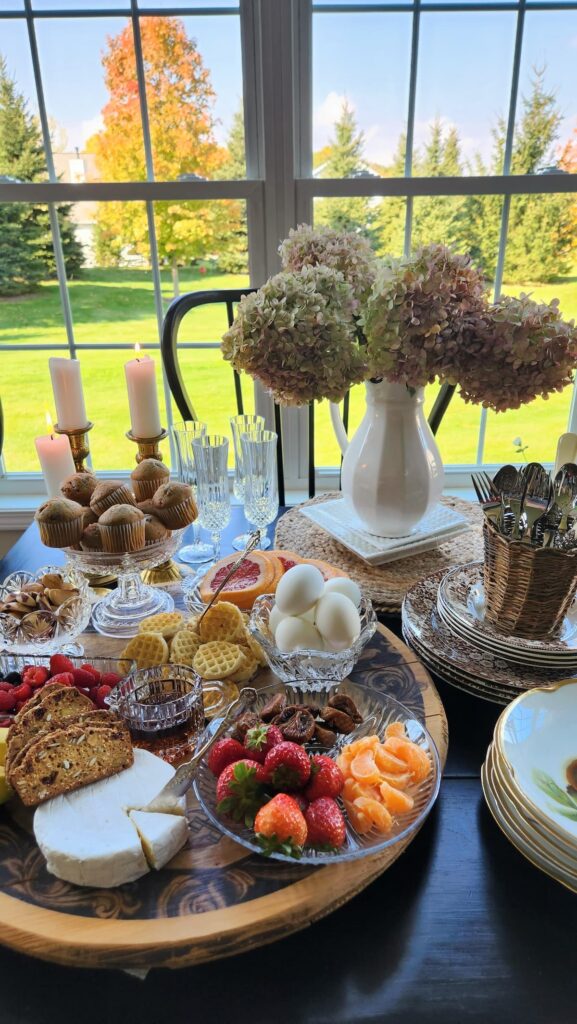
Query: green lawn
[118, 306]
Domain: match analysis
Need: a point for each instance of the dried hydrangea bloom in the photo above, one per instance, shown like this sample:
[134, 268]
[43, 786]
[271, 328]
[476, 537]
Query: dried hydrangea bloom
[341, 250]
[296, 335]
[516, 351]
[417, 312]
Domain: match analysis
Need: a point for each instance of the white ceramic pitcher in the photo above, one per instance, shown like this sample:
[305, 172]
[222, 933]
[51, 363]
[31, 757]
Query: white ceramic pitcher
[392, 471]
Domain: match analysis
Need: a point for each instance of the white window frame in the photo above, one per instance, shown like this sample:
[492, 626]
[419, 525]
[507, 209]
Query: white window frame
[276, 41]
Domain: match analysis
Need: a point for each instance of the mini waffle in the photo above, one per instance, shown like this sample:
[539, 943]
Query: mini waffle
[146, 649]
[217, 659]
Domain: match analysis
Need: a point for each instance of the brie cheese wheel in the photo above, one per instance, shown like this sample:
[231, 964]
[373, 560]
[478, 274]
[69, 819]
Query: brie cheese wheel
[161, 835]
[88, 837]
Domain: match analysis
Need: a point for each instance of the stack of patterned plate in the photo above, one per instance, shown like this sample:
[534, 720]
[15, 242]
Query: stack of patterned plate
[530, 779]
[443, 623]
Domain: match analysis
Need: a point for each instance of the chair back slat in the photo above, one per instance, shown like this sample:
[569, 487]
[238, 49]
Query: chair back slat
[311, 449]
[279, 453]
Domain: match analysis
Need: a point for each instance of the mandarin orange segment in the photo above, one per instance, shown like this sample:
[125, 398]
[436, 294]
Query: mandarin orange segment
[395, 801]
[417, 760]
[387, 762]
[395, 729]
[398, 781]
[358, 820]
[376, 812]
[364, 769]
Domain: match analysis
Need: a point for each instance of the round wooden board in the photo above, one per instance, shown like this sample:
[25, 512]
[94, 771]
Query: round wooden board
[214, 899]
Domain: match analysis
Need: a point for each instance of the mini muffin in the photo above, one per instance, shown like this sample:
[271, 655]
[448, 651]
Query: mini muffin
[175, 505]
[147, 507]
[122, 528]
[88, 517]
[147, 478]
[91, 539]
[79, 487]
[154, 530]
[109, 493]
[59, 522]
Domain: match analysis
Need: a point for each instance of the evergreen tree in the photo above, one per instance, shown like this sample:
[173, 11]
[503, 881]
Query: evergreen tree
[345, 160]
[435, 217]
[233, 240]
[389, 218]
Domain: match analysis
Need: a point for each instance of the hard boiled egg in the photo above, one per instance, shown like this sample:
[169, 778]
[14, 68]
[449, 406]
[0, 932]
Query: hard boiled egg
[294, 634]
[274, 618]
[299, 589]
[342, 585]
[337, 620]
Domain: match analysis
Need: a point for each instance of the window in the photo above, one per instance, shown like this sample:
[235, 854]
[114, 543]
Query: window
[168, 152]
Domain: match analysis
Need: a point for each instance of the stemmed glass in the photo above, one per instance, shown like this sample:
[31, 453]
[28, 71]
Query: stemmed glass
[212, 493]
[198, 551]
[259, 448]
[239, 425]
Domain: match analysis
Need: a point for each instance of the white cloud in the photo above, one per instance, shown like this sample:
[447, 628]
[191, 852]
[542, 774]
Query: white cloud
[90, 127]
[325, 116]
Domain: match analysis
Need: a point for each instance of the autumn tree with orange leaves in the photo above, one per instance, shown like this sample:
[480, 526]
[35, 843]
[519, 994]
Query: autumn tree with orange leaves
[180, 101]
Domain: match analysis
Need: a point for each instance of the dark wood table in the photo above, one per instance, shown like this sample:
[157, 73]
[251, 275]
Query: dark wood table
[461, 928]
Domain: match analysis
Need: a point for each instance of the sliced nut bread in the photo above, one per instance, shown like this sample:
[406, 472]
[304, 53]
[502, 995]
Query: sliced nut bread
[57, 706]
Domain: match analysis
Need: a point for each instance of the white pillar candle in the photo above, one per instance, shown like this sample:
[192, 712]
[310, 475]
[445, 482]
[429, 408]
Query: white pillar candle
[56, 460]
[142, 397]
[68, 394]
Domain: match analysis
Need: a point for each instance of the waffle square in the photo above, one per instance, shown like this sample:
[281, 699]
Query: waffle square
[254, 648]
[146, 649]
[167, 623]
[222, 621]
[217, 659]
[247, 669]
[184, 647]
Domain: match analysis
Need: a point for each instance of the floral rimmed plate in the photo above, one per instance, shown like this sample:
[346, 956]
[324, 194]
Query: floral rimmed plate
[377, 710]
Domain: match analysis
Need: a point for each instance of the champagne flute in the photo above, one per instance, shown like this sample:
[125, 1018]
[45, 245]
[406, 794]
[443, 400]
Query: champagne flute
[239, 425]
[198, 551]
[212, 493]
[259, 448]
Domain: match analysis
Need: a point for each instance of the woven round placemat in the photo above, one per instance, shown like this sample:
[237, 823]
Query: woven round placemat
[386, 585]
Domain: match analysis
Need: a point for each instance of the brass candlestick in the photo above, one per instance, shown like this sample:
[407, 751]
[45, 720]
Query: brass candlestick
[78, 443]
[167, 572]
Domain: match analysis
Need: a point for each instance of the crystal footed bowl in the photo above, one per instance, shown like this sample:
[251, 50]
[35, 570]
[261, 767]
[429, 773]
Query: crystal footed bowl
[54, 621]
[312, 668]
[120, 613]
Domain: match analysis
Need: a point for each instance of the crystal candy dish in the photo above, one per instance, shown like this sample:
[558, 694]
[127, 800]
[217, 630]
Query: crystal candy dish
[120, 613]
[377, 710]
[46, 631]
[312, 668]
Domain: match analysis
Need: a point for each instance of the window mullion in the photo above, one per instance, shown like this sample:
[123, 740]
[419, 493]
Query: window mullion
[411, 121]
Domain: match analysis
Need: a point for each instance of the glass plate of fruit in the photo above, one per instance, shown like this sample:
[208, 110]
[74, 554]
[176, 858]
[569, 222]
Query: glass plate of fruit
[21, 676]
[281, 785]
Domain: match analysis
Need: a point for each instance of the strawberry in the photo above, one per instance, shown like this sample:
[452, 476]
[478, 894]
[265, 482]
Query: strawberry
[35, 676]
[280, 826]
[82, 679]
[64, 678]
[301, 800]
[19, 705]
[22, 692]
[98, 696]
[325, 824]
[60, 663]
[326, 778]
[7, 700]
[223, 753]
[262, 738]
[110, 679]
[287, 766]
[93, 672]
[239, 791]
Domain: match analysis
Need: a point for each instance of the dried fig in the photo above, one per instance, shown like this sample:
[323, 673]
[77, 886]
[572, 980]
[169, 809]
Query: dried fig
[286, 714]
[273, 707]
[341, 702]
[300, 728]
[245, 722]
[337, 720]
[326, 737]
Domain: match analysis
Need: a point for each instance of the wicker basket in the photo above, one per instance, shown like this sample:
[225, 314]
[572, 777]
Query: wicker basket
[527, 590]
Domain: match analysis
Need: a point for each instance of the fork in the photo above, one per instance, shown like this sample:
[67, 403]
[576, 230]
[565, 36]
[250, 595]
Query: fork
[488, 498]
[538, 500]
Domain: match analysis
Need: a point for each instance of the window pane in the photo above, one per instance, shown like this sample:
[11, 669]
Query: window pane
[458, 105]
[361, 67]
[547, 110]
[79, 5]
[29, 297]
[194, 95]
[11, 5]
[92, 98]
[27, 161]
[25, 386]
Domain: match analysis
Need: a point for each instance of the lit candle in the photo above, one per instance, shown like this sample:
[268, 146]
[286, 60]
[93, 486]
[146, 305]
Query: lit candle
[142, 398]
[68, 394]
[55, 459]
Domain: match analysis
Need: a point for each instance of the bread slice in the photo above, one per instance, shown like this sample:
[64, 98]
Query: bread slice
[66, 759]
[93, 717]
[56, 706]
[37, 698]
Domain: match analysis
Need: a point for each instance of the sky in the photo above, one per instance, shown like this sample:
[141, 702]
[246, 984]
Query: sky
[464, 71]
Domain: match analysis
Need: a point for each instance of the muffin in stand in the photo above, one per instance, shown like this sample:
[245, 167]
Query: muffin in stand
[88, 517]
[147, 507]
[91, 539]
[154, 530]
[79, 487]
[109, 493]
[122, 528]
[147, 478]
[59, 522]
[175, 505]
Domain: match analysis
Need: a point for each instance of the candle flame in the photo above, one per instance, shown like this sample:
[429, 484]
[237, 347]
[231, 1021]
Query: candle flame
[137, 349]
[48, 421]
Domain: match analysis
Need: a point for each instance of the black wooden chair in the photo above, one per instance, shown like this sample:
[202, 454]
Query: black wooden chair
[229, 297]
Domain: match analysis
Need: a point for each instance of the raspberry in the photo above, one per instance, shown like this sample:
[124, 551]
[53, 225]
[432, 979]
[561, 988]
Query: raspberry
[60, 663]
[5, 721]
[7, 700]
[110, 679]
[101, 693]
[84, 680]
[93, 672]
[19, 705]
[22, 692]
[35, 676]
[64, 678]
[7, 687]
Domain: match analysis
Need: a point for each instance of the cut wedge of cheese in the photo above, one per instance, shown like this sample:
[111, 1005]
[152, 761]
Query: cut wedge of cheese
[161, 835]
[88, 837]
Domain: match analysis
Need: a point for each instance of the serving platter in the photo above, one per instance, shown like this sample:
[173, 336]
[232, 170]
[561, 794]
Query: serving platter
[215, 898]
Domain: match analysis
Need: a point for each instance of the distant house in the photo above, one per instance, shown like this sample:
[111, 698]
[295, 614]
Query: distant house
[75, 168]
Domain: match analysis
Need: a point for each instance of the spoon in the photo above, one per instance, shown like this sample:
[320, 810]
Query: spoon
[506, 480]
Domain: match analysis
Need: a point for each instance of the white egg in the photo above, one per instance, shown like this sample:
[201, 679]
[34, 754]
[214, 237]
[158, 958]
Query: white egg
[274, 618]
[337, 620]
[299, 589]
[294, 634]
[342, 585]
